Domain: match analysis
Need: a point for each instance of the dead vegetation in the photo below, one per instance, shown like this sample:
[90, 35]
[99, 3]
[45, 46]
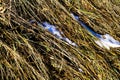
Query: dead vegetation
[35, 54]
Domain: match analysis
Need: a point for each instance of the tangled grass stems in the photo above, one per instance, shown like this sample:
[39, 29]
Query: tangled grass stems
[29, 53]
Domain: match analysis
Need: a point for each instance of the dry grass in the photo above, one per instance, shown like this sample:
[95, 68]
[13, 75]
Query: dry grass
[27, 54]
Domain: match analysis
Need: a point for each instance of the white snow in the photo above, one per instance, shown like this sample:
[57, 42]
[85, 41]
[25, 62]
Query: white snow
[75, 16]
[80, 69]
[107, 42]
[52, 29]
[69, 41]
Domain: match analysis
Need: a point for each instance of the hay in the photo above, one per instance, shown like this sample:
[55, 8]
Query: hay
[28, 53]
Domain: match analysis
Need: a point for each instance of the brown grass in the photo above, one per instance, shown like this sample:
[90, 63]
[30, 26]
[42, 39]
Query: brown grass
[27, 54]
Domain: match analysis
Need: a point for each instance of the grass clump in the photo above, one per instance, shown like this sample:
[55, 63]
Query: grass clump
[32, 53]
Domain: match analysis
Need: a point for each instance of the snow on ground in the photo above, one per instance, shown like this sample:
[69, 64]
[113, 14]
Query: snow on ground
[105, 41]
[76, 17]
[52, 29]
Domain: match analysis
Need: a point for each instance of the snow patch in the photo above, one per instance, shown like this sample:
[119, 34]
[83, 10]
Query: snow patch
[105, 41]
[69, 41]
[80, 70]
[52, 29]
